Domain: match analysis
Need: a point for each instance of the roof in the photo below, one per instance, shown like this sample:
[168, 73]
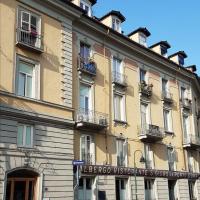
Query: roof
[162, 43]
[116, 13]
[143, 30]
[182, 53]
[193, 67]
[91, 1]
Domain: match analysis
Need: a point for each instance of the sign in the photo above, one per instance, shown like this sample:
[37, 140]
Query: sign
[126, 171]
[78, 162]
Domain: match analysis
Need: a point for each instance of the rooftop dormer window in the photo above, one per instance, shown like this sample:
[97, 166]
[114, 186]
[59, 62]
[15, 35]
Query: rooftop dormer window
[181, 60]
[116, 24]
[163, 51]
[142, 39]
[87, 7]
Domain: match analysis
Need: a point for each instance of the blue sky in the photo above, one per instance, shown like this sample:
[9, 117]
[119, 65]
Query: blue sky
[177, 21]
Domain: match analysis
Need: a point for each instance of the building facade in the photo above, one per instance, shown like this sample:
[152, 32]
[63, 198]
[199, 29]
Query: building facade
[74, 87]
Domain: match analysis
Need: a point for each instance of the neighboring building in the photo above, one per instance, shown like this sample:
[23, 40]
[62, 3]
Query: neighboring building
[73, 86]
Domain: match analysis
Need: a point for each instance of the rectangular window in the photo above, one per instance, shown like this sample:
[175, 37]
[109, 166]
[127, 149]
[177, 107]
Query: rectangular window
[117, 65]
[27, 78]
[149, 189]
[142, 40]
[186, 126]
[167, 120]
[183, 93]
[192, 189]
[87, 149]
[163, 51]
[116, 25]
[149, 157]
[29, 28]
[121, 152]
[85, 52]
[86, 7]
[164, 86]
[171, 158]
[144, 116]
[119, 107]
[181, 60]
[191, 162]
[25, 136]
[85, 97]
[142, 75]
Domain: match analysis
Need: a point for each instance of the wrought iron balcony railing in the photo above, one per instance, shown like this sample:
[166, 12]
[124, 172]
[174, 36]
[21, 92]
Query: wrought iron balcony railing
[167, 96]
[119, 78]
[30, 39]
[87, 65]
[121, 161]
[89, 158]
[145, 89]
[186, 103]
[152, 130]
[92, 117]
[192, 140]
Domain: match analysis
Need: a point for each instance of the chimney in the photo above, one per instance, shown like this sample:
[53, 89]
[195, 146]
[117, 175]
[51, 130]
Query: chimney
[113, 19]
[191, 68]
[140, 36]
[161, 48]
[85, 5]
[178, 57]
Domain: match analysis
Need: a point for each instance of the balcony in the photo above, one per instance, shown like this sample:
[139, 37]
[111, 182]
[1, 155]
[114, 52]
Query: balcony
[87, 66]
[186, 103]
[145, 89]
[191, 141]
[88, 158]
[121, 161]
[167, 97]
[151, 133]
[30, 39]
[119, 79]
[90, 119]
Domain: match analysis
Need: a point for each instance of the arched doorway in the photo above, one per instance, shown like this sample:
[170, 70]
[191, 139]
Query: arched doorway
[22, 185]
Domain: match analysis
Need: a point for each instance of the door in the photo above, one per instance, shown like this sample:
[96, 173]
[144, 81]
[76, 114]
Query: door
[172, 189]
[117, 70]
[85, 52]
[121, 191]
[20, 189]
[149, 189]
[85, 189]
[144, 118]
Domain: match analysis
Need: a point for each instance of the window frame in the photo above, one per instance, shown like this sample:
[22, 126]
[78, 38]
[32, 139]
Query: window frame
[123, 150]
[84, 3]
[24, 145]
[35, 79]
[168, 119]
[142, 39]
[116, 24]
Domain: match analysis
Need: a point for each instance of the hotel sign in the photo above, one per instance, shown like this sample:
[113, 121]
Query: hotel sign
[126, 171]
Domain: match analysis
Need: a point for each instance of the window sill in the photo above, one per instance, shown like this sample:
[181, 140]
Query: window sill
[117, 121]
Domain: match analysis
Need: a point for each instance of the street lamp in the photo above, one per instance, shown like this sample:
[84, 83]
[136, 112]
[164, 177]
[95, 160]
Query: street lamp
[142, 160]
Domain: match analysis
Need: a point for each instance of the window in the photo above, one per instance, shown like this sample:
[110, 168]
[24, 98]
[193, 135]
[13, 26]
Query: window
[29, 29]
[181, 60]
[142, 39]
[149, 189]
[164, 86]
[183, 93]
[144, 117]
[87, 149]
[121, 189]
[186, 126]
[122, 146]
[119, 107]
[116, 24]
[142, 75]
[163, 51]
[86, 7]
[117, 65]
[27, 78]
[167, 120]
[85, 97]
[191, 162]
[84, 52]
[148, 157]
[171, 158]
[172, 189]
[25, 136]
[85, 189]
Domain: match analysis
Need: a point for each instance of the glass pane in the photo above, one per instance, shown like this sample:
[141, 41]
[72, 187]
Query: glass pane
[26, 68]
[33, 21]
[29, 86]
[20, 135]
[88, 184]
[25, 16]
[8, 190]
[25, 26]
[28, 136]
[19, 190]
[21, 84]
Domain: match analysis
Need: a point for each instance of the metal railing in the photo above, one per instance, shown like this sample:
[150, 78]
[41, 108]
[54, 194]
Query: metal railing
[121, 161]
[29, 38]
[91, 116]
[192, 139]
[166, 95]
[119, 78]
[87, 65]
[152, 130]
[145, 88]
[88, 158]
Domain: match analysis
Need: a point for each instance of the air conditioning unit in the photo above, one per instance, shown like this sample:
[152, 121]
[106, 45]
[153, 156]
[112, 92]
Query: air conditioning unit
[103, 122]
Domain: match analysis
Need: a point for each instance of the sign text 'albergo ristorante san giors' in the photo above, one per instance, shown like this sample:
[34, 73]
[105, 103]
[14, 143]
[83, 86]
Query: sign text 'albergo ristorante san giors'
[126, 171]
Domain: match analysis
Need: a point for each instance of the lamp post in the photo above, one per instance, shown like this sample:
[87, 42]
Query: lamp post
[142, 160]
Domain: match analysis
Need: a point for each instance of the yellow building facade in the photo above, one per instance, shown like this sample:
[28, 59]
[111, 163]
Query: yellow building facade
[74, 87]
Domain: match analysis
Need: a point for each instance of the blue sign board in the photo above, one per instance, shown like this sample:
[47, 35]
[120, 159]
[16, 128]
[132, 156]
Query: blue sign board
[78, 162]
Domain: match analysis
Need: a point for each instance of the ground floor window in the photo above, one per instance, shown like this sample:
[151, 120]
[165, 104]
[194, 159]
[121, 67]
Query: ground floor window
[121, 189]
[172, 189]
[85, 189]
[192, 191]
[21, 185]
[149, 189]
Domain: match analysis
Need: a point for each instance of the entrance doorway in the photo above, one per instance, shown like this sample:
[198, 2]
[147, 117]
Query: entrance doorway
[21, 185]
[149, 189]
[85, 188]
[172, 189]
[121, 189]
